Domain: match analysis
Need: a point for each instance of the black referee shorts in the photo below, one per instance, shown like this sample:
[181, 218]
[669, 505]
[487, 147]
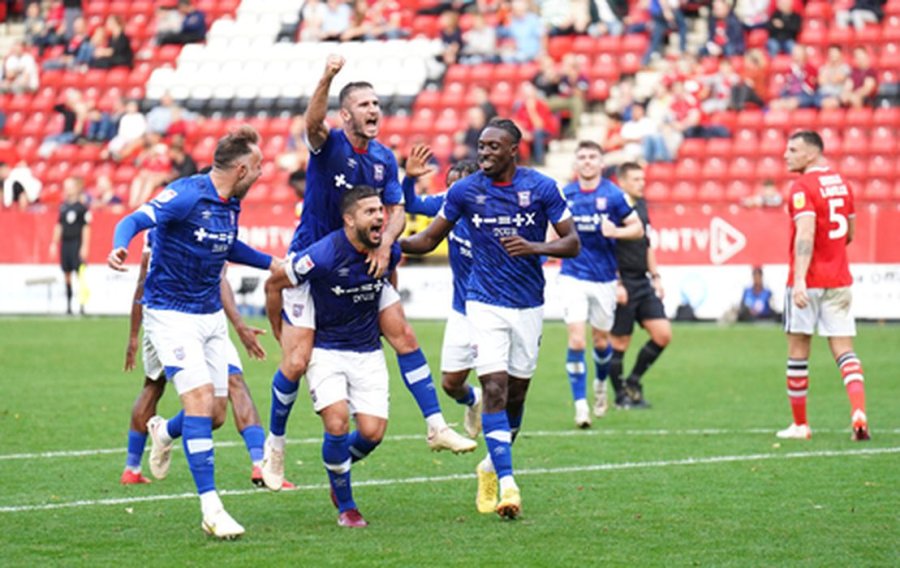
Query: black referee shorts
[643, 304]
[69, 258]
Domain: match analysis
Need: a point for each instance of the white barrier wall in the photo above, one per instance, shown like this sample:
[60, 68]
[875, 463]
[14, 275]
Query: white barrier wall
[426, 291]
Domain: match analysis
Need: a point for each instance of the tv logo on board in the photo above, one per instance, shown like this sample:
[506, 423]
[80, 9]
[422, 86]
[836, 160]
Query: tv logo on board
[721, 239]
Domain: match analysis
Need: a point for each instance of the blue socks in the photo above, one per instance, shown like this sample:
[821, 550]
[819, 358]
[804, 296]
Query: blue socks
[336, 457]
[136, 443]
[417, 377]
[175, 425]
[602, 360]
[577, 371]
[198, 447]
[254, 438]
[469, 399]
[360, 446]
[498, 439]
[284, 393]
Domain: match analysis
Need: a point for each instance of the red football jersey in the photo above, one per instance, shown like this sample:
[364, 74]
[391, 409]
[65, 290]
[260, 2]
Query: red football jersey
[823, 193]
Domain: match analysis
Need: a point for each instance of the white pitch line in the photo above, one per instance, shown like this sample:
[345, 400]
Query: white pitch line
[464, 476]
[408, 437]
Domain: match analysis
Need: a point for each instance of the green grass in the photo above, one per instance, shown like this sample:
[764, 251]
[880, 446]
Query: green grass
[623, 493]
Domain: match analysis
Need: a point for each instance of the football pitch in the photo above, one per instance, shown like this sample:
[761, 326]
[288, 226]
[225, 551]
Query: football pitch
[698, 480]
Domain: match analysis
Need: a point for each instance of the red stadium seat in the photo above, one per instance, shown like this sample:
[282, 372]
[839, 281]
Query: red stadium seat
[855, 141]
[598, 91]
[750, 118]
[430, 99]
[630, 63]
[711, 192]
[684, 192]
[746, 142]
[888, 117]
[457, 74]
[772, 142]
[883, 141]
[878, 166]
[447, 122]
[687, 169]
[660, 172]
[757, 38]
[604, 67]
[657, 191]
[852, 167]
[635, 43]
[692, 148]
[877, 189]
[738, 190]
[714, 169]
[803, 119]
[586, 45]
[719, 147]
[506, 72]
[608, 44]
[770, 168]
[859, 117]
[558, 46]
[741, 169]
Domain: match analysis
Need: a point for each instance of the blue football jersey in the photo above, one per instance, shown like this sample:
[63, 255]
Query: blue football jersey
[195, 232]
[345, 295]
[597, 260]
[524, 207]
[333, 168]
[459, 245]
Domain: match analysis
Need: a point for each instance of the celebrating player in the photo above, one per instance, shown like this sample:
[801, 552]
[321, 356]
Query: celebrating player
[196, 220]
[340, 159]
[508, 210]
[642, 301]
[347, 372]
[587, 282]
[818, 293]
[458, 351]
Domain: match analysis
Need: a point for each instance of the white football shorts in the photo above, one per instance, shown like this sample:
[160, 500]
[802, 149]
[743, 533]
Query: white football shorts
[586, 301]
[359, 378]
[458, 351]
[153, 368]
[829, 312]
[505, 339]
[193, 348]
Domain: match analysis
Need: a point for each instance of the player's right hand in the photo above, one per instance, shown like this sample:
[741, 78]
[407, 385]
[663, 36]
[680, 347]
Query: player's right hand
[116, 259]
[621, 293]
[333, 65]
[249, 337]
[130, 353]
[800, 297]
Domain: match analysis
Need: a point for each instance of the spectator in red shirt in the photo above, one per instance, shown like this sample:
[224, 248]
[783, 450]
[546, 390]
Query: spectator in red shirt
[860, 87]
[799, 83]
[538, 124]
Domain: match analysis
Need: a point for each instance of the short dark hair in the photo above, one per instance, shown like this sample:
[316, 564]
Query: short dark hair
[464, 168]
[589, 145]
[234, 145]
[507, 125]
[626, 167]
[354, 194]
[810, 137]
[350, 87]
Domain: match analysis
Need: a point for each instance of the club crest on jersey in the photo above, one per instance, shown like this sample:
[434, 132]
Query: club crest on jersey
[297, 310]
[524, 198]
[601, 203]
[379, 172]
[799, 200]
[303, 265]
[179, 353]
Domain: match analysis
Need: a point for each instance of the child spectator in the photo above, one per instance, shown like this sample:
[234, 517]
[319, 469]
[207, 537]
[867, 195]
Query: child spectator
[784, 27]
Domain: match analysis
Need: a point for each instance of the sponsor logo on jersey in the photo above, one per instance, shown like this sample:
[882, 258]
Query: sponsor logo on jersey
[524, 198]
[799, 199]
[166, 196]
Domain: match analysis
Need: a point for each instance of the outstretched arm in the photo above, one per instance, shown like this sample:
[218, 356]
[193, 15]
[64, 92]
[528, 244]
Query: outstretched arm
[316, 129]
[126, 229]
[427, 240]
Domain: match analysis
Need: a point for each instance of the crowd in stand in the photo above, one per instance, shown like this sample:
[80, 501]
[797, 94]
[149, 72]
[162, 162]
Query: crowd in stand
[677, 94]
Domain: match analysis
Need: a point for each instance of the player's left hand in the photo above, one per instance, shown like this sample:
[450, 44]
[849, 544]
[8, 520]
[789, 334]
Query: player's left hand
[379, 260]
[116, 259]
[417, 163]
[621, 293]
[607, 228]
[250, 338]
[800, 297]
[518, 246]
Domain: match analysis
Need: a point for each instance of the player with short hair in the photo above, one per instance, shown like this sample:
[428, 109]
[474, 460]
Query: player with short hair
[457, 351]
[347, 372]
[588, 282]
[508, 209]
[164, 432]
[641, 302]
[73, 229]
[340, 159]
[196, 221]
[819, 296]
